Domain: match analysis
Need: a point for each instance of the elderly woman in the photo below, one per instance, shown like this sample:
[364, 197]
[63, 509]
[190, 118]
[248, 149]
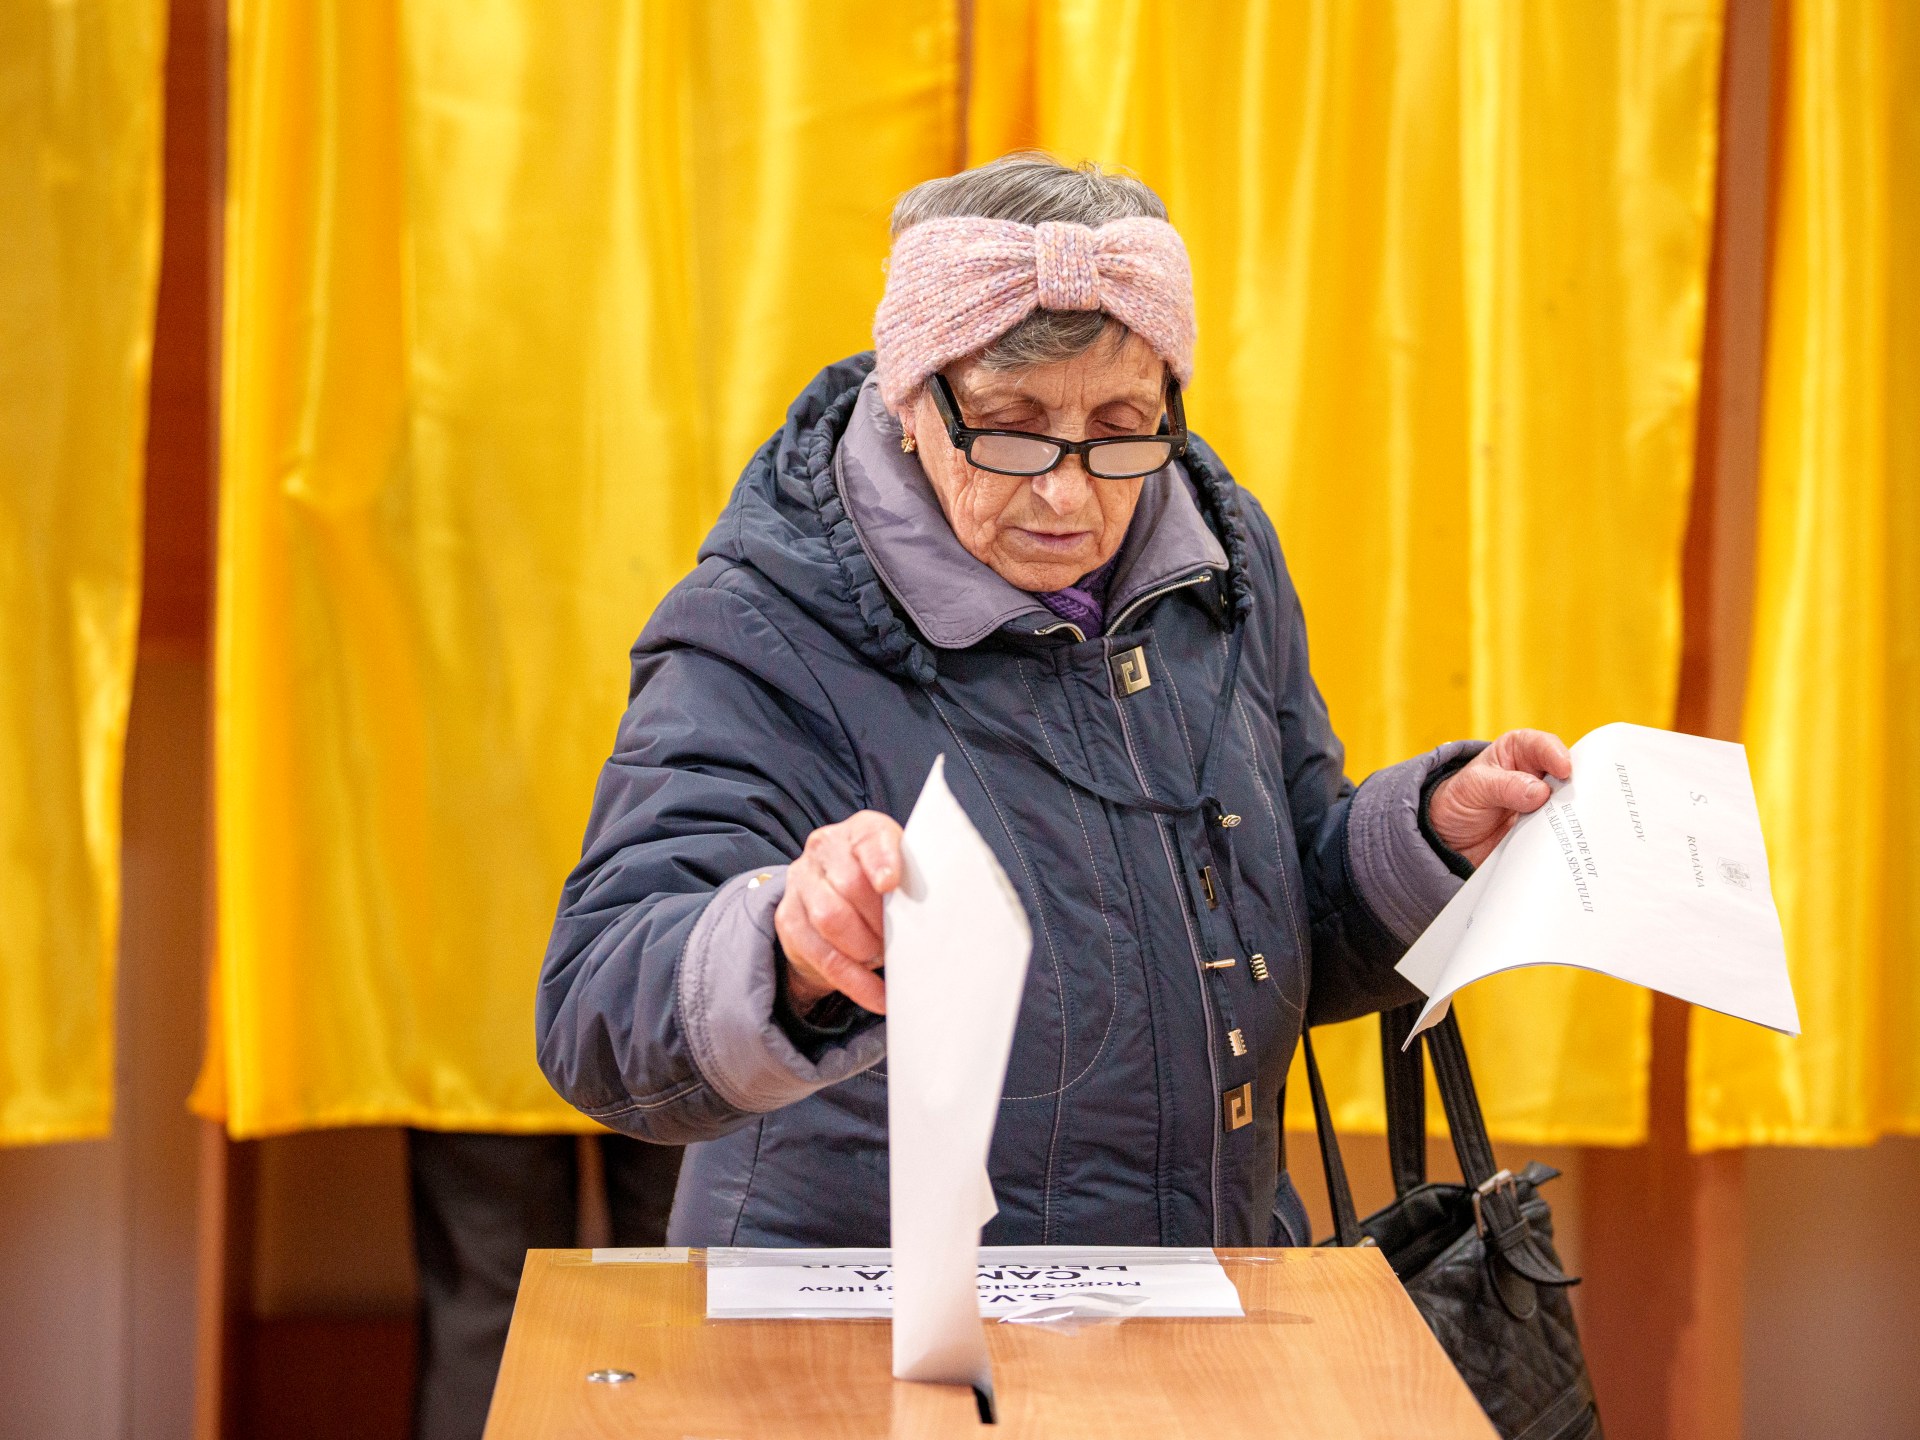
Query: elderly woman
[997, 541]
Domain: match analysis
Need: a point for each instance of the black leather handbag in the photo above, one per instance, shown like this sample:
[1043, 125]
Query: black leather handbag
[1478, 1258]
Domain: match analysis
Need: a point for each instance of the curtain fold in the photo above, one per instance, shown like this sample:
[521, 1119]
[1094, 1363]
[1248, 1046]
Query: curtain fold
[1451, 259]
[1833, 699]
[513, 291]
[81, 88]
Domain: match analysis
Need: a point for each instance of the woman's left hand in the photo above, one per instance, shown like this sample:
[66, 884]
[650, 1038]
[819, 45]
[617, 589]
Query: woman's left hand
[1478, 803]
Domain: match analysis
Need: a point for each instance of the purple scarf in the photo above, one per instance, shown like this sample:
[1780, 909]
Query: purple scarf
[1084, 602]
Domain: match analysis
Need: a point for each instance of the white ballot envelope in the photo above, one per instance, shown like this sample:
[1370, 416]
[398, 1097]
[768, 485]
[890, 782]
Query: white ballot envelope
[957, 943]
[1647, 865]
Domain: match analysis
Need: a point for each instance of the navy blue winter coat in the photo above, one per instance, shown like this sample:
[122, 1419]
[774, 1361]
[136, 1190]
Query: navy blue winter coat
[832, 641]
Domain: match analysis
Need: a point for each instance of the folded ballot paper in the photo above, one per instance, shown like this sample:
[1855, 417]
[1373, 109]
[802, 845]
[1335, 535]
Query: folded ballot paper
[1647, 865]
[957, 944]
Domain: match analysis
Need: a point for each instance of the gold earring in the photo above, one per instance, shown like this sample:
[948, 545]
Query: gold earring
[907, 443]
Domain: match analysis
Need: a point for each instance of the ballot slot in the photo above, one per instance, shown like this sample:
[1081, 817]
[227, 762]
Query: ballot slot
[983, 1400]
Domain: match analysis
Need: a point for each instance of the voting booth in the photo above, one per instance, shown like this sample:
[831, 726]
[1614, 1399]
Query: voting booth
[1327, 1344]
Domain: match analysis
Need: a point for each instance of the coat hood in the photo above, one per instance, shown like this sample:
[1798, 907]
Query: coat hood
[787, 521]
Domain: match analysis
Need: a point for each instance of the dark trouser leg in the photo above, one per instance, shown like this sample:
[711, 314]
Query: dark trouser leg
[640, 1180]
[480, 1202]
[1290, 1223]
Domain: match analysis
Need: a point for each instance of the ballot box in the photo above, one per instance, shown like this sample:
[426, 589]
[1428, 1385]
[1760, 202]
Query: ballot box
[1329, 1346]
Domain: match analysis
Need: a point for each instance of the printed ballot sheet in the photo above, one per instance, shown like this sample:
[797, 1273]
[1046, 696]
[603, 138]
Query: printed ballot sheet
[957, 943]
[1018, 1283]
[1647, 865]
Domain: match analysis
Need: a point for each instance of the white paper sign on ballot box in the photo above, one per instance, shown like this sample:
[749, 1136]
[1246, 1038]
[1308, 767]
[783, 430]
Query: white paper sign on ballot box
[1014, 1282]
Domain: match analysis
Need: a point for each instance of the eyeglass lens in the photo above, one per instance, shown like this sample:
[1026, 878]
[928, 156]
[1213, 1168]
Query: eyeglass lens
[1013, 454]
[1129, 457]
[1020, 455]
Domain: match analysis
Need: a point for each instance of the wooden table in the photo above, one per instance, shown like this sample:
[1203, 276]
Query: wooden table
[1330, 1346]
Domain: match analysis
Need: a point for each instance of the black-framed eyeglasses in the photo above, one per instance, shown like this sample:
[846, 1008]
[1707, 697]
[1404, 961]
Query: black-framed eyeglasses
[1018, 452]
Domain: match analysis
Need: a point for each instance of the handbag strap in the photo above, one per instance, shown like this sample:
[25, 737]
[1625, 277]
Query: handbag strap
[1346, 1220]
[1461, 1102]
[1405, 1079]
[1497, 1205]
[1497, 1200]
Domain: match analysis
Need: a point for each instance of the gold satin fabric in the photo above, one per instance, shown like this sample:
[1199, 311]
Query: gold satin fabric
[1451, 260]
[80, 103]
[513, 292]
[1833, 697]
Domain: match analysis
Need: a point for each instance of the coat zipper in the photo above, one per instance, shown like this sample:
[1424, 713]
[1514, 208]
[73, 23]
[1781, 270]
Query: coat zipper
[1154, 594]
[1173, 872]
[1193, 942]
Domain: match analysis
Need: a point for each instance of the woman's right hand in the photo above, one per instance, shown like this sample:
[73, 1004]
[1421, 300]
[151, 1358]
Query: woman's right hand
[829, 920]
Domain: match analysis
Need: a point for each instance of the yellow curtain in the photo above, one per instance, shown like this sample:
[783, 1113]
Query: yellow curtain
[513, 291]
[80, 102]
[1451, 260]
[1833, 699]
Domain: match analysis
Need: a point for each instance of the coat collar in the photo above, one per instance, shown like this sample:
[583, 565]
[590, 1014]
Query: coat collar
[953, 599]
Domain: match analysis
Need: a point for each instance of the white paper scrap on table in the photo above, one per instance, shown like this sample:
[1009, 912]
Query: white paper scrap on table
[1647, 865]
[957, 943]
[1012, 1282]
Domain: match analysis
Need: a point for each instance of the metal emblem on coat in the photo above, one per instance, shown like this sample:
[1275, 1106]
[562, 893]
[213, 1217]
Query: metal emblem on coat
[1130, 670]
[1236, 1106]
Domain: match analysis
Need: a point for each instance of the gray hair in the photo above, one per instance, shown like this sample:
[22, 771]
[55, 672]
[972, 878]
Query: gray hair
[1031, 187]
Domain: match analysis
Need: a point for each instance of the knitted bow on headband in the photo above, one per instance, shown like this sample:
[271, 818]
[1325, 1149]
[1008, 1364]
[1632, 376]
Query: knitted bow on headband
[955, 286]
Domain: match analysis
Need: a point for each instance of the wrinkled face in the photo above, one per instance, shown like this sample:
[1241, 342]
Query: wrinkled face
[1043, 532]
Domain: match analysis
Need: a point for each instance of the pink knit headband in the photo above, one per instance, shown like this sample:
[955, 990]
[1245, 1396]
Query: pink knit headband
[955, 286]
